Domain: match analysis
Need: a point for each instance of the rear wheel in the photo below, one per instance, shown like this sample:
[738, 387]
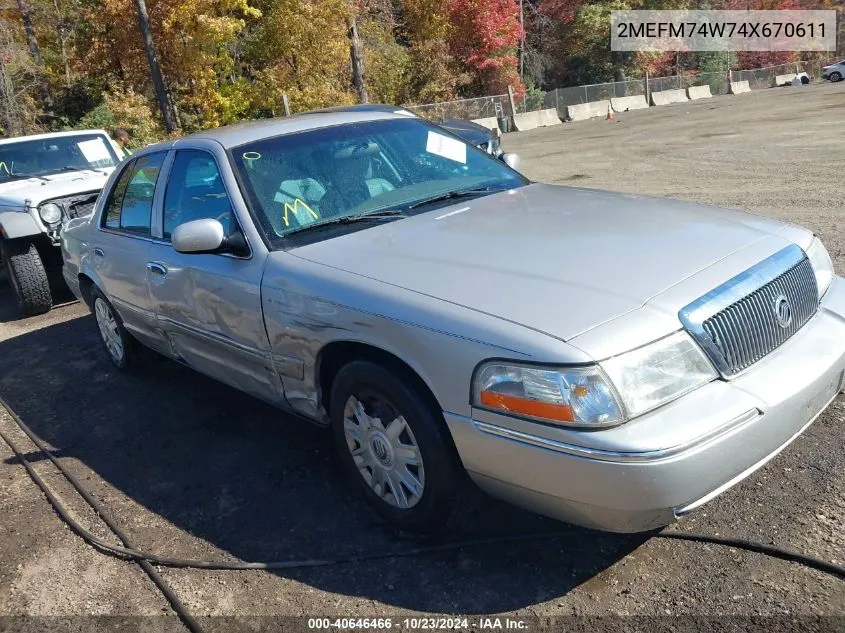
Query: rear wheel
[835, 76]
[27, 276]
[396, 448]
[121, 348]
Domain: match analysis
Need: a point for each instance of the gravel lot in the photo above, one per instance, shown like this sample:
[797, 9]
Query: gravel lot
[191, 468]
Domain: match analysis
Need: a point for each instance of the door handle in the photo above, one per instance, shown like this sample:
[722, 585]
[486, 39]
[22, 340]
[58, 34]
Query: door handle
[157, 268]
[99, 252]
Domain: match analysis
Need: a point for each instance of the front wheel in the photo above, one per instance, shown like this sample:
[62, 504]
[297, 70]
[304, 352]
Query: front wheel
[835, 76]
[396, 447]
[27, 276]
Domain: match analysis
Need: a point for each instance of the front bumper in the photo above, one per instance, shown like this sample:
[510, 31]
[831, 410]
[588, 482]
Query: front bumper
[621, 481]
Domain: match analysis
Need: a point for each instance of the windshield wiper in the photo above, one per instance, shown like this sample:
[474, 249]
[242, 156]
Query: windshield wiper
[350, 219]
[72, 168]
[453, 195]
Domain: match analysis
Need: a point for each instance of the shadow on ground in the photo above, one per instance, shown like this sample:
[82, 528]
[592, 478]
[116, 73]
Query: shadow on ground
[239, 474]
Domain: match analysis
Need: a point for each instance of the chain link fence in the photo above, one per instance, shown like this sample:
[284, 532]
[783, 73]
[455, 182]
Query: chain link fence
[477, 108]
[559, 98]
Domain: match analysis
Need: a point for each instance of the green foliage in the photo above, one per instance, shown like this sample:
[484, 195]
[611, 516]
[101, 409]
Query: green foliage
[126, 110]
[713, 61]
[534, 96]
[387, 63]
[76, 100]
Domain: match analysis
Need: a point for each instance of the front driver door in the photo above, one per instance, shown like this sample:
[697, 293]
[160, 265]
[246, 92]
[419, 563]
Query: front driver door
[209, 305]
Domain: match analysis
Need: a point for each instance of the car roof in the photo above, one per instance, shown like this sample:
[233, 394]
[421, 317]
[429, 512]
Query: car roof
[35, 137]
[240, 133]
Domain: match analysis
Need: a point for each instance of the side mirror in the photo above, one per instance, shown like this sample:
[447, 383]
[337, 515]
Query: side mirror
[511, 160]
[198, 236]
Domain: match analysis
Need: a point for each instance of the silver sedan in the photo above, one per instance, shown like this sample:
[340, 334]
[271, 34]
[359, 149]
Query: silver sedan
[607, 359]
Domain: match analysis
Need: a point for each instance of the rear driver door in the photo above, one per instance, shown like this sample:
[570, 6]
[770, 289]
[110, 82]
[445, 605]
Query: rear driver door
[120, 246]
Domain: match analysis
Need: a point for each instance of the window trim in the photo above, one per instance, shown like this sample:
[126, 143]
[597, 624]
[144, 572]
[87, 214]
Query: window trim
[162, 239]
[130, 164]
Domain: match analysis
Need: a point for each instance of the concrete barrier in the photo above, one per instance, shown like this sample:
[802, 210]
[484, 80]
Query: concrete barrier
[548, 117]
[584, 111]
[738, 87]
[699, 92]
[665, 97]
[622, 104]
[526, 121]
[490, 122]
[783, 80]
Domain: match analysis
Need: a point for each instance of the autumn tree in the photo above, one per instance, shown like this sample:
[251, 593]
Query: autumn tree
[484, 37]
[19, 82]
[301, 49]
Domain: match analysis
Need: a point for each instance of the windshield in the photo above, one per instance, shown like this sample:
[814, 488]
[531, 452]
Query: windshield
[313, 177]
[41, 157]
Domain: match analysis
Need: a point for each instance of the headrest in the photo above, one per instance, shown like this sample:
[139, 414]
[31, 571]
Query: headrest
[364, 149]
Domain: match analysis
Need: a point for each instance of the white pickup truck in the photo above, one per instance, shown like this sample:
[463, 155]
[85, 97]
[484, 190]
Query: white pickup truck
[46, 180]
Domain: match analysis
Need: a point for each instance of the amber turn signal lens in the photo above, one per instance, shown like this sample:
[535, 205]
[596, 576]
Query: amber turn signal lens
[526, 407]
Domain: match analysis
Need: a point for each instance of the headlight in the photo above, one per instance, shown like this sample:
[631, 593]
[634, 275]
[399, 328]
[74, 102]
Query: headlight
[51, 213]
[659, 372]
[575, 396]
[822, 265]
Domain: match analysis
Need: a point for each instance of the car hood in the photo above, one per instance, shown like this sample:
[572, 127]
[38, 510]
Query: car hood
[468, 131]
[16, 192]
[559, 260]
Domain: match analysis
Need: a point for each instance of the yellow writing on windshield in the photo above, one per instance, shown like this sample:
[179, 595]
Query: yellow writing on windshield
[295, 208]
[4, 167]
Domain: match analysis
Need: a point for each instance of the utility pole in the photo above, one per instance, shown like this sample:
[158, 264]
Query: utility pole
[35, 51]
[521, 42]
[155, 70]
[356, 57]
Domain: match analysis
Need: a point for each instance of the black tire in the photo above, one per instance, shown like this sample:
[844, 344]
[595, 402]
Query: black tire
[27, 276]
[381, 390]
[835, 76]
[129, 355]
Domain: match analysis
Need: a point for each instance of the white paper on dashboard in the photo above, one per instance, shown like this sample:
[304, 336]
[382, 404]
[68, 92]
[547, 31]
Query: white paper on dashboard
[94, 150]
[450, 148]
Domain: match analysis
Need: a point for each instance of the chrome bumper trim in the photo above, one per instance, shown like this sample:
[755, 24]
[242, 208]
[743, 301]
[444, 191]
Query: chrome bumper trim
[602, 455]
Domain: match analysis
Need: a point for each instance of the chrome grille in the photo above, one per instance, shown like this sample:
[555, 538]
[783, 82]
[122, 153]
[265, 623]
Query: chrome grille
[745, 319]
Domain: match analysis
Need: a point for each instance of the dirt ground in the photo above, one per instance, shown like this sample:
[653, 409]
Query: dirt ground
[193, 469]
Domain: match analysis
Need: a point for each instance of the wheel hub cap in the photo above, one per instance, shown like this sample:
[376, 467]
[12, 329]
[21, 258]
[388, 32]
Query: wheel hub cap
[380, 446]
[386, 454]
[108, 329]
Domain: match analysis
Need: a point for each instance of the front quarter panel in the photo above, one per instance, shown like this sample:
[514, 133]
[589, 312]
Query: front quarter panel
[308, 306]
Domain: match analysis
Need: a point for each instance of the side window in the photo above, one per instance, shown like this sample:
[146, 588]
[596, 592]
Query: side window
[195, 191]
[130, 206]
[111, 217]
